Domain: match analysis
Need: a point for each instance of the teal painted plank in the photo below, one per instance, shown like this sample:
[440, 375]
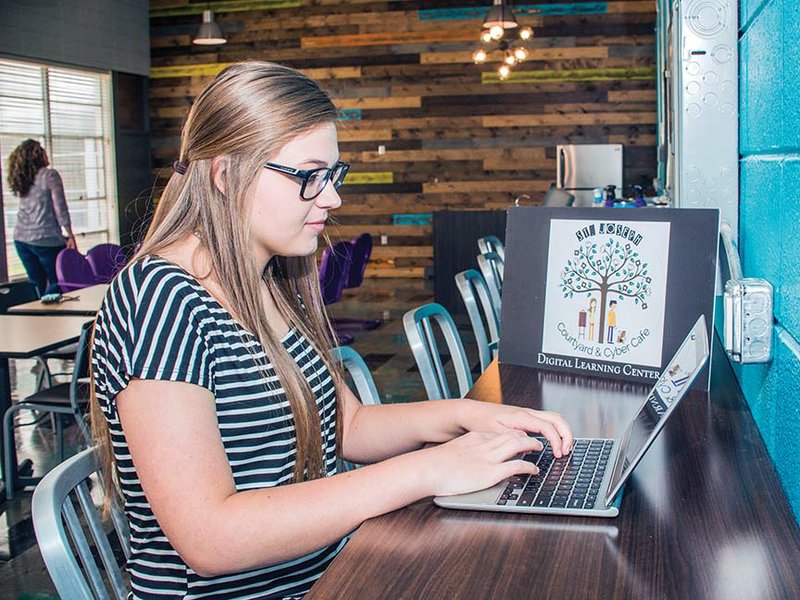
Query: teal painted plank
[412, 219]
[350, 114]
[523, 10]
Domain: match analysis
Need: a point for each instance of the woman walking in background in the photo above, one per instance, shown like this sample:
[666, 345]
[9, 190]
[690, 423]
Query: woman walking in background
[42, 215]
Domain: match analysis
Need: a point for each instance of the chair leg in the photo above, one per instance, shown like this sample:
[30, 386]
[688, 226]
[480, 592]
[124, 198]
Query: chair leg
[59, 437]
[9, 453]
[44, 374]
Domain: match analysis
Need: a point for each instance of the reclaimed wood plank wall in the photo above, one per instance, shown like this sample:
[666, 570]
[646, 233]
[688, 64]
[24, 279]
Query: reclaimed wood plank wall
[455, 137]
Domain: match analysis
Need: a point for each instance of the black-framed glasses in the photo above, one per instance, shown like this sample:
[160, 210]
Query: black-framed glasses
[313, 180]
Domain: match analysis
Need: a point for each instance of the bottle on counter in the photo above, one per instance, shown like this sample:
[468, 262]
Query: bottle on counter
[611, 196]
[638, 196]
[598, 198]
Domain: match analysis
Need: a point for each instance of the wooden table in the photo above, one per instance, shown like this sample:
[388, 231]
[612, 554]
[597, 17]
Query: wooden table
[702, 517]
[24, 336]
[83, 302]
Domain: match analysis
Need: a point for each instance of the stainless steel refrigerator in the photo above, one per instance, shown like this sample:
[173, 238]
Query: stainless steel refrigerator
[580, 168]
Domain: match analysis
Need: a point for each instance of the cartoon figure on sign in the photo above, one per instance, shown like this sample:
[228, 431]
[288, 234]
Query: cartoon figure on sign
[612, 320]
[592, 312]
[582, 325]
[678, 376]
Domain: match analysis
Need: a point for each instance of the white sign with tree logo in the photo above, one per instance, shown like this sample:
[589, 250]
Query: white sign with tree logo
[606, 290]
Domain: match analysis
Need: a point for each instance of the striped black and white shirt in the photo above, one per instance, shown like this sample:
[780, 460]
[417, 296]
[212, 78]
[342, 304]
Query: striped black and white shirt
[158, 322]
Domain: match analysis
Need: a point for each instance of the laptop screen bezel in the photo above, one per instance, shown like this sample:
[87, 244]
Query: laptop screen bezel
[621, 474]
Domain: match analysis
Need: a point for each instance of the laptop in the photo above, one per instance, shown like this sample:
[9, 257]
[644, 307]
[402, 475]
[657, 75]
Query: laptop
[589, 481]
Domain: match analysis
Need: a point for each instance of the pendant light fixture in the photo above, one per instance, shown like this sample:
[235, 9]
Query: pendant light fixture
[504, 36]
[210, 33]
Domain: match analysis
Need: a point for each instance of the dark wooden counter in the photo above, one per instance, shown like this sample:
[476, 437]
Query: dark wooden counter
[703, 516]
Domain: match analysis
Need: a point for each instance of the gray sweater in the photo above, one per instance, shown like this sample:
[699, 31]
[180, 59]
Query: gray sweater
[43, 211]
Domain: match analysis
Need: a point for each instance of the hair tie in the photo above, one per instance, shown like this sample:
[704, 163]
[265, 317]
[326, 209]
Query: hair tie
[179, 167]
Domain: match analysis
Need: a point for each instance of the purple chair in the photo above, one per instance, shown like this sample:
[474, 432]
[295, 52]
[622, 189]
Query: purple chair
[106, 261]
[333, 270]
[73, 271]
[362, 250]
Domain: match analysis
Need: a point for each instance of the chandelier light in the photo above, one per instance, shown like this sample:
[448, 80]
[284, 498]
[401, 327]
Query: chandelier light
[503, 37]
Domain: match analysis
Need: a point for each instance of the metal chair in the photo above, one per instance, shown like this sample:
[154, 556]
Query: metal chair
[492, 268]
[365, 387]
[492, 243]
[359, 372]
[106, 260]
[473, 288]
[418, 324]
[62, 399]
[77, 573]
[73, 271]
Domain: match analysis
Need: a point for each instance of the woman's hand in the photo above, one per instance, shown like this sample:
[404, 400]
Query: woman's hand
[498, 418]
[71, 243]
[476, 461]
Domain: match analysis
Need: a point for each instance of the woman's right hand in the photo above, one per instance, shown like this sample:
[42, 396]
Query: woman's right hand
[477, 460]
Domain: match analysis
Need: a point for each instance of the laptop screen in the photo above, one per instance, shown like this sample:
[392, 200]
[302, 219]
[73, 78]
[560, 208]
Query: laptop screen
[659, 404]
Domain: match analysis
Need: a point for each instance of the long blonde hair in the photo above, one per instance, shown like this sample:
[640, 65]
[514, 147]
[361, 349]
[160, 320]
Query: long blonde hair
[246, 115]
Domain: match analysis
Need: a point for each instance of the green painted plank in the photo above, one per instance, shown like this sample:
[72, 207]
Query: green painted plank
[368, 178]
[613, 74]
[523, 10]
[201, 70]
[222, 6]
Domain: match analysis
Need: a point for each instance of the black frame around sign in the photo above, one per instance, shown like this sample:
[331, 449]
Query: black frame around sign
[690, 285]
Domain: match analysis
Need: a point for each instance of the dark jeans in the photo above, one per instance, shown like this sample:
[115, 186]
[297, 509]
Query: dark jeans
[40, 265]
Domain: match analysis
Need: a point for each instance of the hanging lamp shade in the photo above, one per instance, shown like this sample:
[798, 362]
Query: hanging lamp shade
[210, 33]
[500, 15]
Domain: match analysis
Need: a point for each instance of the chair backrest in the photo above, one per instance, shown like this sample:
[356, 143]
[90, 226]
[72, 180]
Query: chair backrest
[473, 288]
[359, 372]
[418, 324]
[69, 554]
[557, 197]
[491, 243]
[492, 267]
[73, 271]
[333, 270]
[106, 260]
[362, 250]
[17, 292]
[80, 377]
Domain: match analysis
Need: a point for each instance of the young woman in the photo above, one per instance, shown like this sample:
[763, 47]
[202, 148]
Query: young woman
[215, 389]
[43, 213]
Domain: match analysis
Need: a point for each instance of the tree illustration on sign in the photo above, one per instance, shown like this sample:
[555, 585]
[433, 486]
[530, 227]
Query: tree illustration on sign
[613, 268]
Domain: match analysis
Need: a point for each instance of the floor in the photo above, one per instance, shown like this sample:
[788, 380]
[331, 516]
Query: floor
[385, 350]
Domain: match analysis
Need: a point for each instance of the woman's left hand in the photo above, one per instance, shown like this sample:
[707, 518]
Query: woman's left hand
[485, 416]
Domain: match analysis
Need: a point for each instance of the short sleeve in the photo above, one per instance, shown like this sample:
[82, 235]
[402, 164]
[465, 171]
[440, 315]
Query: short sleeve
[152, 327]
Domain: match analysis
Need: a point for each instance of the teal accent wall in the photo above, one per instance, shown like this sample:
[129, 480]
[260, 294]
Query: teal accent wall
[769, 217]
[521, 10]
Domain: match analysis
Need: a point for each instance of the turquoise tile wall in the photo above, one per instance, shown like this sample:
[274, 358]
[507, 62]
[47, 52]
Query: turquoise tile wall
[770, 217]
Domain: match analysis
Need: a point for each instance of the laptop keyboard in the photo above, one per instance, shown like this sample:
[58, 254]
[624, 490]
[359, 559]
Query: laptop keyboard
[569, 482]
